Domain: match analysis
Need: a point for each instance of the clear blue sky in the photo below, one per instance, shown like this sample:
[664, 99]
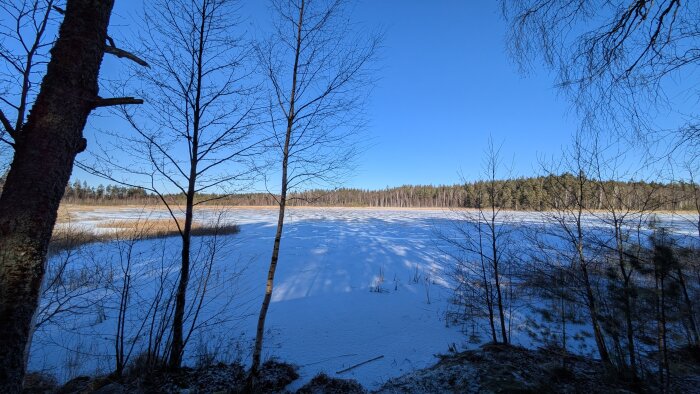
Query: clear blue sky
[445, 84]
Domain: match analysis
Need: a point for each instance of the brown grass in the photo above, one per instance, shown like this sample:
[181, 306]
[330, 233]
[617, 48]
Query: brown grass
[65, 238]
[146, 226]
[64, 215]
[156, 228]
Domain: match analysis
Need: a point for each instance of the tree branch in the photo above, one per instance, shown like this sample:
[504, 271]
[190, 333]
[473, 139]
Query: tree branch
[120, 53]
[108, 102]
[6, 123]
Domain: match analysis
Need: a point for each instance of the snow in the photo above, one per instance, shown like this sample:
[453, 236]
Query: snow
[351, 285]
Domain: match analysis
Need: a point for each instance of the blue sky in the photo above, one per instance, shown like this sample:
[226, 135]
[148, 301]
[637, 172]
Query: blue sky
[445, 84]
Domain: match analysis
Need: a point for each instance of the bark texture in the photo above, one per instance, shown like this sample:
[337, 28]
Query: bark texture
[45, 149]
[260, 331]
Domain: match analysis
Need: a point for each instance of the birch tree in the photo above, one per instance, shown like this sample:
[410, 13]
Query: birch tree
[317, 70]
[568, 237]
[479, 244]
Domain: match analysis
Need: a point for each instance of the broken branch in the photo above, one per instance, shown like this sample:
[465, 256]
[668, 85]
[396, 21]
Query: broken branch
[120, 53]
[108, 102]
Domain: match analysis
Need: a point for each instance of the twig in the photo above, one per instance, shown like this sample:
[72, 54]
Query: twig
[360, 364]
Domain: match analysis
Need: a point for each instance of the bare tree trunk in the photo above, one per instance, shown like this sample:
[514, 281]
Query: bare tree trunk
[688, 307]
[260, 332]
[496, 274]
[660, 274]
[501, 314]
[257, 352]
[487, 288]
[268, 289]
[120, 361]
[590, 297]
[45, 149]
[593, 312]
[627, 302]
[177, 346]
[322, 87]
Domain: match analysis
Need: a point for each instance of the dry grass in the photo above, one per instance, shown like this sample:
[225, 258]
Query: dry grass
[64, 215]
[156, 228]
[71, 237]
[67, 238]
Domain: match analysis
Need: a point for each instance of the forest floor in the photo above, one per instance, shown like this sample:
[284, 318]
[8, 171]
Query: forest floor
[492, 368]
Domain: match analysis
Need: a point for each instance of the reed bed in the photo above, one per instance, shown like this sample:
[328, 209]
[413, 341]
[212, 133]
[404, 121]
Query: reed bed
[71, 236]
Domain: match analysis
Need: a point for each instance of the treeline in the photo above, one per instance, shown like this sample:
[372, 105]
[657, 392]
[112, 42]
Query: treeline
[81, 192]
[533, 193]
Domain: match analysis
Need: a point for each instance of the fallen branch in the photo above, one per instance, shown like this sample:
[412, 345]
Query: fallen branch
[360, 364]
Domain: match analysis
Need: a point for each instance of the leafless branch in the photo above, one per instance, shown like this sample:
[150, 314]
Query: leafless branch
[120, 53]
[113, 101]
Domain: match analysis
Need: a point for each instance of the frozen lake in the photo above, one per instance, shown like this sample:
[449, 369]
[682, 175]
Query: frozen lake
[326, 313]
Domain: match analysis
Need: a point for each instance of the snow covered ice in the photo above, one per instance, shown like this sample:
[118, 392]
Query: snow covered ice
[351, 285]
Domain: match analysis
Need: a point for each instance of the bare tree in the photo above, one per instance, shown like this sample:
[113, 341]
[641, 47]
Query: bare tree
[140, 314]
[480, 247]
[45, 147]
[317, 72]
[663, 262]
[617, 59]
[624, 215]
[686, 208]
[694, 192]
[568, 210]
[550, 273]
[73, 280]
[496, 232]
[474, 292]
[128, 258]
[24, 52]
[194, 135]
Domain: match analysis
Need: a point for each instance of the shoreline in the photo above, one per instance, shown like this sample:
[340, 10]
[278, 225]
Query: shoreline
[67, 208]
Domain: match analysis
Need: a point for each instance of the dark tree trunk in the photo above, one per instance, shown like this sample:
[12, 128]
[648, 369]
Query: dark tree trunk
[595, 320]
[627, 301]
[177, 349]
[487, 288]
[496, 275]
[45, 149]
[591, 302]
[689, 310]
[178, 346]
